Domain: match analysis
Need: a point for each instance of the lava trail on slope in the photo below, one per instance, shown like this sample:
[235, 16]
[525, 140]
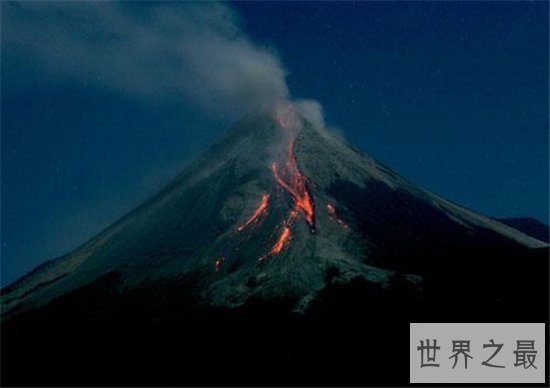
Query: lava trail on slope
[291, 180]
[260, 210]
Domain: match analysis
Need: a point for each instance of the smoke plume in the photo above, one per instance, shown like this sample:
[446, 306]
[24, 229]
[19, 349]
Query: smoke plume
[196, 52]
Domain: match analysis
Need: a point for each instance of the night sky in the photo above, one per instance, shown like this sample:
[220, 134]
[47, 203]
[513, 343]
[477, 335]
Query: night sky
[452, 95]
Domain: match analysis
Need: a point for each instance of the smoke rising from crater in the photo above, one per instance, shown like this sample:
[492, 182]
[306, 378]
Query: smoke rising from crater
[311, 110]
[194, 52]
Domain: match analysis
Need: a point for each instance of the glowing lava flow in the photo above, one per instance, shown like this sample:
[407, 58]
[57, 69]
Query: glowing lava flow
[261, 209]
[284, 238]
[292, 181]
[334, 217]
[281, 242]
[296, 187]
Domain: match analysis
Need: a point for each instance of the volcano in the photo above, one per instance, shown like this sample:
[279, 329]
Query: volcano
[282, 249]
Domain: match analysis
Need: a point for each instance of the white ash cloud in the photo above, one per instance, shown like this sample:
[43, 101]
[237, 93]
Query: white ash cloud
[197, 52]
[312, 111]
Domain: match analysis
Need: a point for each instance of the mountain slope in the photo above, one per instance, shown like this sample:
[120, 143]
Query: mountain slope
[530, 226]
[366, 220]
[281, 257]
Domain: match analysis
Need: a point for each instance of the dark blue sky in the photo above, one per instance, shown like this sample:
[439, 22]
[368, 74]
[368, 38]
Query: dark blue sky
[452, 95]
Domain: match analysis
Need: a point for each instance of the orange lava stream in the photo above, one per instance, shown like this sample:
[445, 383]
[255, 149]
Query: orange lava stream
[261, 209]
[291, 180]
[296, 187]
[283, 239]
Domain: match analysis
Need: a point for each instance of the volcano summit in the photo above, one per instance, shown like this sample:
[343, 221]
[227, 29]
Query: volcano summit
[282, 248]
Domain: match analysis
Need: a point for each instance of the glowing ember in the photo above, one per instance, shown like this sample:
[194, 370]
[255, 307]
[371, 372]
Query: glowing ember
[334, 217]
[261, 209]
[218, 263]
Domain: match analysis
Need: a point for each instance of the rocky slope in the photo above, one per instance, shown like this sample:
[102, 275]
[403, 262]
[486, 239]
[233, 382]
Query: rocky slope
[225, 218]
[282, 257]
